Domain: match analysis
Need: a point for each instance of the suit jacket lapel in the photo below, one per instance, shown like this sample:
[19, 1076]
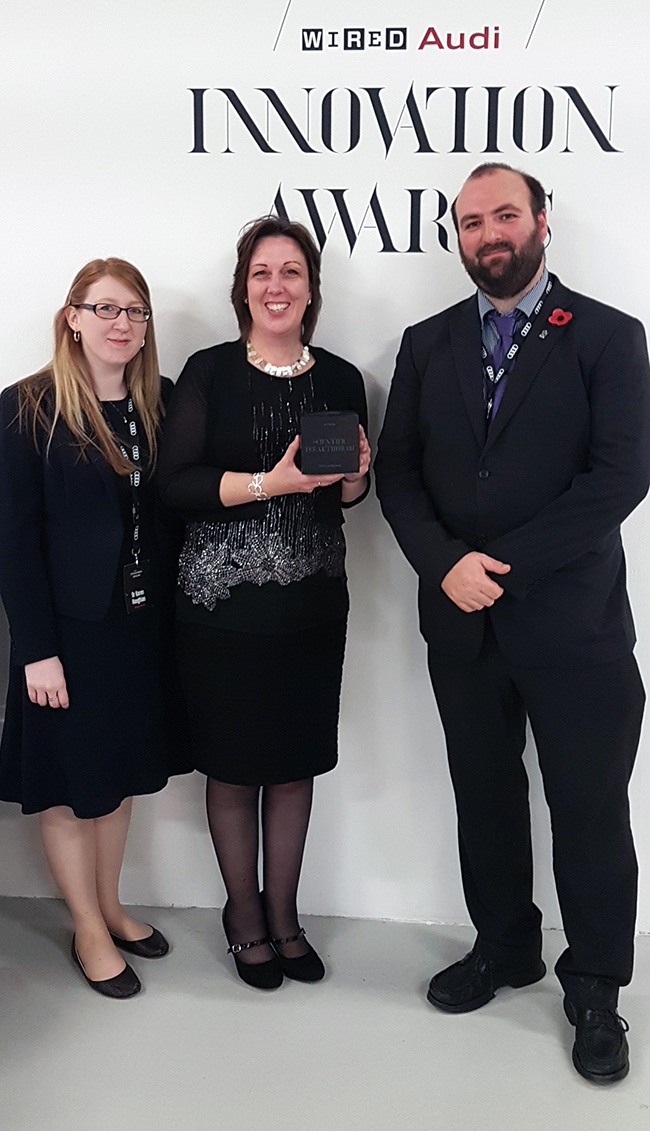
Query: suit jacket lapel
[465, 333]
[533, 354]
[68, 450]
[105, 472]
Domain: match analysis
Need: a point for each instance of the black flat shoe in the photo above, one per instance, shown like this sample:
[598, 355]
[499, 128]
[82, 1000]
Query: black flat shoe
[261, 975]
[306, 967]
[154, 946]
[474, 980]
[123, 985]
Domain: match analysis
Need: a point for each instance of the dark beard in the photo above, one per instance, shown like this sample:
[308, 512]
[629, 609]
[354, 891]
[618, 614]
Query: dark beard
[507, 277]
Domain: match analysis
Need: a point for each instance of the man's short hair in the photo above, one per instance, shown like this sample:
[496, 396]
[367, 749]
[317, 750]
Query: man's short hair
[535, 188]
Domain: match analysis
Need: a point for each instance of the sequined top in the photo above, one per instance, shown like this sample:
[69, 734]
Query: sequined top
[272, 566]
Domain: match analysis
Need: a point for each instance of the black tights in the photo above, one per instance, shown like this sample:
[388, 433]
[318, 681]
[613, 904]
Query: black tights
[234, 819]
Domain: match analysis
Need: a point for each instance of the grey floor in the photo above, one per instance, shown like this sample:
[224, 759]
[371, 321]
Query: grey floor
[198, 1049]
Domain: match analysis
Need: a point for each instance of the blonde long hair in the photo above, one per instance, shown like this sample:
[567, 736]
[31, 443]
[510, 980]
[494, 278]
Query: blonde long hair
[67, 377]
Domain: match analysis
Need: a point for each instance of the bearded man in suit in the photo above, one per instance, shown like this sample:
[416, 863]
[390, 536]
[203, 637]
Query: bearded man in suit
[516, 441]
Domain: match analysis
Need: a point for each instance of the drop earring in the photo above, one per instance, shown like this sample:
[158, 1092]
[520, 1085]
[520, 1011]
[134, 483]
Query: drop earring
[76, 335]
[143, 343]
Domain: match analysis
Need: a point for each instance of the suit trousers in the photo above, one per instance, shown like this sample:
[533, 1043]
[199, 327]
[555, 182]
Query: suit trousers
[586, 724]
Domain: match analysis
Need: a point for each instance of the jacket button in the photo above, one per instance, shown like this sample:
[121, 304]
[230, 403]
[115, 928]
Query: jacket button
[483, 474]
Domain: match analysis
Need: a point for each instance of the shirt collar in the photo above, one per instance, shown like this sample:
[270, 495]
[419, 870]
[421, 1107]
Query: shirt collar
[527, 302]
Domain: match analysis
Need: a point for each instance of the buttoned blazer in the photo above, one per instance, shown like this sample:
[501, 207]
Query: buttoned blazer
[61, 532]
[564, 462]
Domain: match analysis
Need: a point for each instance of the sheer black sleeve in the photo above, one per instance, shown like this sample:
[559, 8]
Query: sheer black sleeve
[360, 406]
[186, 481]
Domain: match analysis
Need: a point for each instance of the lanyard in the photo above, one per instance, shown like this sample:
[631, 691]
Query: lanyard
[511, 356]
[134, 456]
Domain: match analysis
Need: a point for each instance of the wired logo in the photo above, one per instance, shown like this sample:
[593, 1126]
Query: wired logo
[354, 38]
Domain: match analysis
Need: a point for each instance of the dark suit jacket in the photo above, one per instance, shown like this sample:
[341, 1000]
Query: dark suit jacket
[566, 459]
[61, 533]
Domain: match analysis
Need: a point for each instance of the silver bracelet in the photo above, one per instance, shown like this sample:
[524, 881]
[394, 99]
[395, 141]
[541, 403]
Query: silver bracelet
[255, 487]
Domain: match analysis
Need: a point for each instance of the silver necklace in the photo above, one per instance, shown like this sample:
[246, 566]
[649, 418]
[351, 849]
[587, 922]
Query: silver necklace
[278, 370]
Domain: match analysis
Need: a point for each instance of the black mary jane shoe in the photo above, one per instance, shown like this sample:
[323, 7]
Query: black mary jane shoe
[123, 985]
[306, 967]
[260, 975]
[154, 946]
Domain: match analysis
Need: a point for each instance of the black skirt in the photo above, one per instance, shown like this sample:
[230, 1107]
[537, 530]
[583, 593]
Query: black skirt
[263, 709]
[124, 732]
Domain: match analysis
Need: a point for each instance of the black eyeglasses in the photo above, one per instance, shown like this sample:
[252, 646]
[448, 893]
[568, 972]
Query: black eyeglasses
[108, 311]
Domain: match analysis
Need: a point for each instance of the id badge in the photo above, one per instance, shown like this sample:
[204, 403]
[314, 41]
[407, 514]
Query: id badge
[136, 585]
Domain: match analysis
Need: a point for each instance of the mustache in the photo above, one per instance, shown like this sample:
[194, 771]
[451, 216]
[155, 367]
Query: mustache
[487, 248]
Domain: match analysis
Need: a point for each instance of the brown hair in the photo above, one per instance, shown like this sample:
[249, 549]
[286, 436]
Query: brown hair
[535, 188]
[63, 387]
[252, 234]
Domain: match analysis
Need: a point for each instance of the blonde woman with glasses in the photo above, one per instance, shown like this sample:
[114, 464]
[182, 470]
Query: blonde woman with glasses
[86, 575]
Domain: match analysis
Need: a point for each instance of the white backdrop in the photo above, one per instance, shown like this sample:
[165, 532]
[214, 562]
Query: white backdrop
[154, 131]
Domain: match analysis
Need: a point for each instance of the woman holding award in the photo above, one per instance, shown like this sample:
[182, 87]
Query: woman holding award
[262, 600]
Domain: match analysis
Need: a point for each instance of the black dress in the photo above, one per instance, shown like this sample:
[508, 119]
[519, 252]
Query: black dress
[125, 730]
[262, 600]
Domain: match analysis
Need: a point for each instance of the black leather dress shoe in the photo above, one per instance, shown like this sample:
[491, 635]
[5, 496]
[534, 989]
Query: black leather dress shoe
[154, 946]
[600, 1051]
[306, 967]
[473, 981]
[123, 985]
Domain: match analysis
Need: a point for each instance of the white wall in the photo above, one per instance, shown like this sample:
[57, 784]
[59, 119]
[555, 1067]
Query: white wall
[97, 128]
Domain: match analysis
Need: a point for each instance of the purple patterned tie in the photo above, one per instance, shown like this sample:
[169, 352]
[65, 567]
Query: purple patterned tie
[504, 325]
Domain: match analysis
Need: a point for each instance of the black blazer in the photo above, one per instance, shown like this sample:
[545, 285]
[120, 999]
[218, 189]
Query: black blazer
[566, 459]
[61, 533]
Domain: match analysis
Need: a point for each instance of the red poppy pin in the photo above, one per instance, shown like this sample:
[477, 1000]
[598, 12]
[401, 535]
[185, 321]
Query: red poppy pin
[560, 317]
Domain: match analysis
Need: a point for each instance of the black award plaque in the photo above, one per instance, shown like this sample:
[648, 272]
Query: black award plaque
[329, 443]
